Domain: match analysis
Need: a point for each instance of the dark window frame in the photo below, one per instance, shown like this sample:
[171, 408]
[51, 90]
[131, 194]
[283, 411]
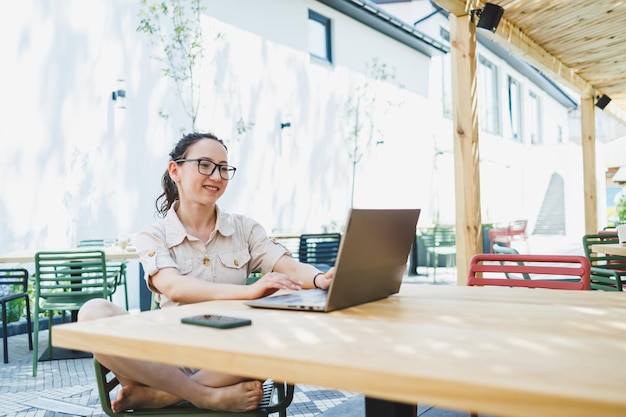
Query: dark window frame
[326, 23]
[535, 120]
[515, 108]
[490, 119]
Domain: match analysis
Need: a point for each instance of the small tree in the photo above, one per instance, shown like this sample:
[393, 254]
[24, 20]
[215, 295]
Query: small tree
[173, 26]
[361, 108]
[621, 210]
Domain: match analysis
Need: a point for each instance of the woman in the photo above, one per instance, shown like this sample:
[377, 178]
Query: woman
[199, 253]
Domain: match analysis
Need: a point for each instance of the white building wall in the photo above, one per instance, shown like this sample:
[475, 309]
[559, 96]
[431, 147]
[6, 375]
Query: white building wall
[78, 165]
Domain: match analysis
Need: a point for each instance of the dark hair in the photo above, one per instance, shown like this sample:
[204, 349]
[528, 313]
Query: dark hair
[170, 191]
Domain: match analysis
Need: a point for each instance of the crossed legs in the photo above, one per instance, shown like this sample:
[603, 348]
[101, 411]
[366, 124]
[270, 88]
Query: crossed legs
[153, 385]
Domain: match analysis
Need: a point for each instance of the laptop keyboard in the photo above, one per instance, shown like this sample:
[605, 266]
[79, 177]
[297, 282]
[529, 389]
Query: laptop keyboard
[313, 297]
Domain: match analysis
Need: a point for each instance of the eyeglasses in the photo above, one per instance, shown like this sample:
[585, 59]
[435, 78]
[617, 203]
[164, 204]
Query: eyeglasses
[206, 167]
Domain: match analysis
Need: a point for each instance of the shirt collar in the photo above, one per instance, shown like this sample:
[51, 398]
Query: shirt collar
[175, 232]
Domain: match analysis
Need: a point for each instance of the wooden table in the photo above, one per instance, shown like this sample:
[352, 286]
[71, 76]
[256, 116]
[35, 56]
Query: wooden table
[503, 351]
[112, 253]
[610, 248]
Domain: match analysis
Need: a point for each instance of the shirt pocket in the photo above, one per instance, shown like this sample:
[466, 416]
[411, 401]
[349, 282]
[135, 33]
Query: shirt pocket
[233, 267]
[234, 260]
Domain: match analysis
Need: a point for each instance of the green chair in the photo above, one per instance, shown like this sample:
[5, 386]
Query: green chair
[64, 281]
[276, 400]
[118, 266]
[499, 249]
[319, 249]
[608, 272]
[14, 288]
[442, 242]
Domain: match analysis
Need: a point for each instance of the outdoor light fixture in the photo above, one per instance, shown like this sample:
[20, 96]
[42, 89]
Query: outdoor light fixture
[489, 16]
[603, 101]
[118, 94]
[119, 98]
[285, 124]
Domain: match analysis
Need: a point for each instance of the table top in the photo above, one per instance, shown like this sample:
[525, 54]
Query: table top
[504, 351]
[112, 253]
[610, 248]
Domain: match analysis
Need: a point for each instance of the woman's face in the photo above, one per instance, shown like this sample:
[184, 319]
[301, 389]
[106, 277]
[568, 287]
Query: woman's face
[193, 186]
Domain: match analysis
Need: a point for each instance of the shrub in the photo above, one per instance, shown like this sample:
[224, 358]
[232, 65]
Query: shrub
[17, 308]
[621, 209]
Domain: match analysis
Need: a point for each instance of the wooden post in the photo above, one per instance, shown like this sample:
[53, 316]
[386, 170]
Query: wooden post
[466, 155]
[588, 129]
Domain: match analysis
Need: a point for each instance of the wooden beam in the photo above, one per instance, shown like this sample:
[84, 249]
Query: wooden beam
[455, 7]
[588, 129]
[516, 41]
[520, 44]
[466, 155]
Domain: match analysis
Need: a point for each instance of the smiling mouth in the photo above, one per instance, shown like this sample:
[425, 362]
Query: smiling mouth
[211, 188]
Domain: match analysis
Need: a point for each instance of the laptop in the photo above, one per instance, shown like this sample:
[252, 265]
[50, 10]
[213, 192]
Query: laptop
[371, 262]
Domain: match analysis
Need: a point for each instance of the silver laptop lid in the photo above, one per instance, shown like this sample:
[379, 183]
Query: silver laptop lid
[372, 256]
[370, 265]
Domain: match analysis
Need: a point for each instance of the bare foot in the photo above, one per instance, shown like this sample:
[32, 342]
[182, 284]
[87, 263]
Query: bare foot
[244, 396]
[132, 397]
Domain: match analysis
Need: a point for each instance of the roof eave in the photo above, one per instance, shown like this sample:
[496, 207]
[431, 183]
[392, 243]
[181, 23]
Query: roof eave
[369, 14]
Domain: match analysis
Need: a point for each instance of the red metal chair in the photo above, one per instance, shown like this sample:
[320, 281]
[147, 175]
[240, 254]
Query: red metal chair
[565, 272]
[515, 230]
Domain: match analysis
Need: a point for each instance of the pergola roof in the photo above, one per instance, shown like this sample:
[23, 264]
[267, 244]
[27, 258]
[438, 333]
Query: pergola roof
[581, 42]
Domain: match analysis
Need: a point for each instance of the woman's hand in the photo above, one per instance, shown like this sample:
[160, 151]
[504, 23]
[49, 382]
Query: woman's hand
[323, 280]
[271, 282]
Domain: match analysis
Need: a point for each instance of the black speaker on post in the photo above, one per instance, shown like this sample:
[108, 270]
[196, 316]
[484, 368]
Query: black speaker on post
[490, 17]
[603, 101]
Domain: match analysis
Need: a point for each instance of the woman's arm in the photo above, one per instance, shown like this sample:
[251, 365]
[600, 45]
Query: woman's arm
[186, 289]
[304, 273]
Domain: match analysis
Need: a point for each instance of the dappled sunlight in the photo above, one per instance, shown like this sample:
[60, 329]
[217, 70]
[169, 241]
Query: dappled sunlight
[620, 325]
[531, 346]
[589, 311]
[450, 319]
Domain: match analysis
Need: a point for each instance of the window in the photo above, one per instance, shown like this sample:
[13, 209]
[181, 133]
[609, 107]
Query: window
[488, 97]
[446, 78]
[446, 86]
[515, 109]
[319, 37]
[534, 118]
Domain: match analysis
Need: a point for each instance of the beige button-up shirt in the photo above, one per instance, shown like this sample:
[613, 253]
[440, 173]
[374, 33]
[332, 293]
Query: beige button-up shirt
[237, 247]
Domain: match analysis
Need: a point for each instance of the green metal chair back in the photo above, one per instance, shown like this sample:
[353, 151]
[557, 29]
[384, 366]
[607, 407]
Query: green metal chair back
[118, 266]
[14, 288]
[319, 249]
[444, 236]
[509, 251]
[442, 242]
[64, 281]
[608, 272]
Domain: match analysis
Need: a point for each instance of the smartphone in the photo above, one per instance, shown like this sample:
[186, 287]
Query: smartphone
[217, 321]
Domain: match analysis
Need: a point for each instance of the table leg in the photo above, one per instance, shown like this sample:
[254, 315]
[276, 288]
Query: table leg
[382, 408]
